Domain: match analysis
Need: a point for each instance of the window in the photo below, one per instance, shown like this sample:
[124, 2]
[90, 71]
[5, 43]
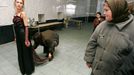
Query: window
[70, 9]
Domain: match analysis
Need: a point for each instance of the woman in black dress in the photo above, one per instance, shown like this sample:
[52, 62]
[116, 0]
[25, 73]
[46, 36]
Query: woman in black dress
[24, 47]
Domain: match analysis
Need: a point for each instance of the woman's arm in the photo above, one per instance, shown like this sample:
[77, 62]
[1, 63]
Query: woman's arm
[91, 48]
[25, 19]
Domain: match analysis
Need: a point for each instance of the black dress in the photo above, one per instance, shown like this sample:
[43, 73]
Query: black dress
[25, 56]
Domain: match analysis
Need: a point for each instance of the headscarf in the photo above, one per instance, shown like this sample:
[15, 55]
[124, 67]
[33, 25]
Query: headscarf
[119, 10]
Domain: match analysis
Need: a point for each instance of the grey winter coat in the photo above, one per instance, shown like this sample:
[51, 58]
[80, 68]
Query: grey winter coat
[111, 48]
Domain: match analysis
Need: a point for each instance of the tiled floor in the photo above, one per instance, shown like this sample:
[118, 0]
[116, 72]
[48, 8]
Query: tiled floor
[68, 56]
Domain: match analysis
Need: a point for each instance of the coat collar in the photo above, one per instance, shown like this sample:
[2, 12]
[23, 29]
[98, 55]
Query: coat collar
[121, 25]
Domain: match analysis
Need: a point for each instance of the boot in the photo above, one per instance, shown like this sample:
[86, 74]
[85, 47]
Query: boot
[37, 59]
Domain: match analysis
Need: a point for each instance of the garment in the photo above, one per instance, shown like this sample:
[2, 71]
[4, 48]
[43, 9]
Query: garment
[50, 37]
[25, 57]
[111, 48]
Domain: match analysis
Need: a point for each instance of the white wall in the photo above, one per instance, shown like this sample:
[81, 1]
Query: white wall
[47, 7]
[100, 6]
[32, 9]
[6, 12]
[85, 8]
[81, 8]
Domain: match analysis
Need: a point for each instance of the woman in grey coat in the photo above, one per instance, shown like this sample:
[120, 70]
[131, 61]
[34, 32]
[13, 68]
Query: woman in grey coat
[110, 50]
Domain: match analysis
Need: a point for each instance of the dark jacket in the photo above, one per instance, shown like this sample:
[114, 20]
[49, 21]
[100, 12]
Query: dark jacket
[46, 38]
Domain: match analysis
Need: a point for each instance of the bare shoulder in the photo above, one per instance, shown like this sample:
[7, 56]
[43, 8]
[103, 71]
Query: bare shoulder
[24, 17]
[23, 14]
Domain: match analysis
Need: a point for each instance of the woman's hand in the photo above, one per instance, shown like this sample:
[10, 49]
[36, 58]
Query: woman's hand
[27, 43]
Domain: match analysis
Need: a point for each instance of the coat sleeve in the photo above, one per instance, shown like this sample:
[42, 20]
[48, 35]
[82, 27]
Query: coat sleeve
[91, 47]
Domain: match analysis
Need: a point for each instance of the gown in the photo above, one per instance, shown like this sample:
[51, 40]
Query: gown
[25, 54]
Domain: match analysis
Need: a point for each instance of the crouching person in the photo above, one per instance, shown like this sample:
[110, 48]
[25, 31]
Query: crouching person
[49, 40]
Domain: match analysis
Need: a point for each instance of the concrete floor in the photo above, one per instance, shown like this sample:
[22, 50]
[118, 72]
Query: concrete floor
[68, 56]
